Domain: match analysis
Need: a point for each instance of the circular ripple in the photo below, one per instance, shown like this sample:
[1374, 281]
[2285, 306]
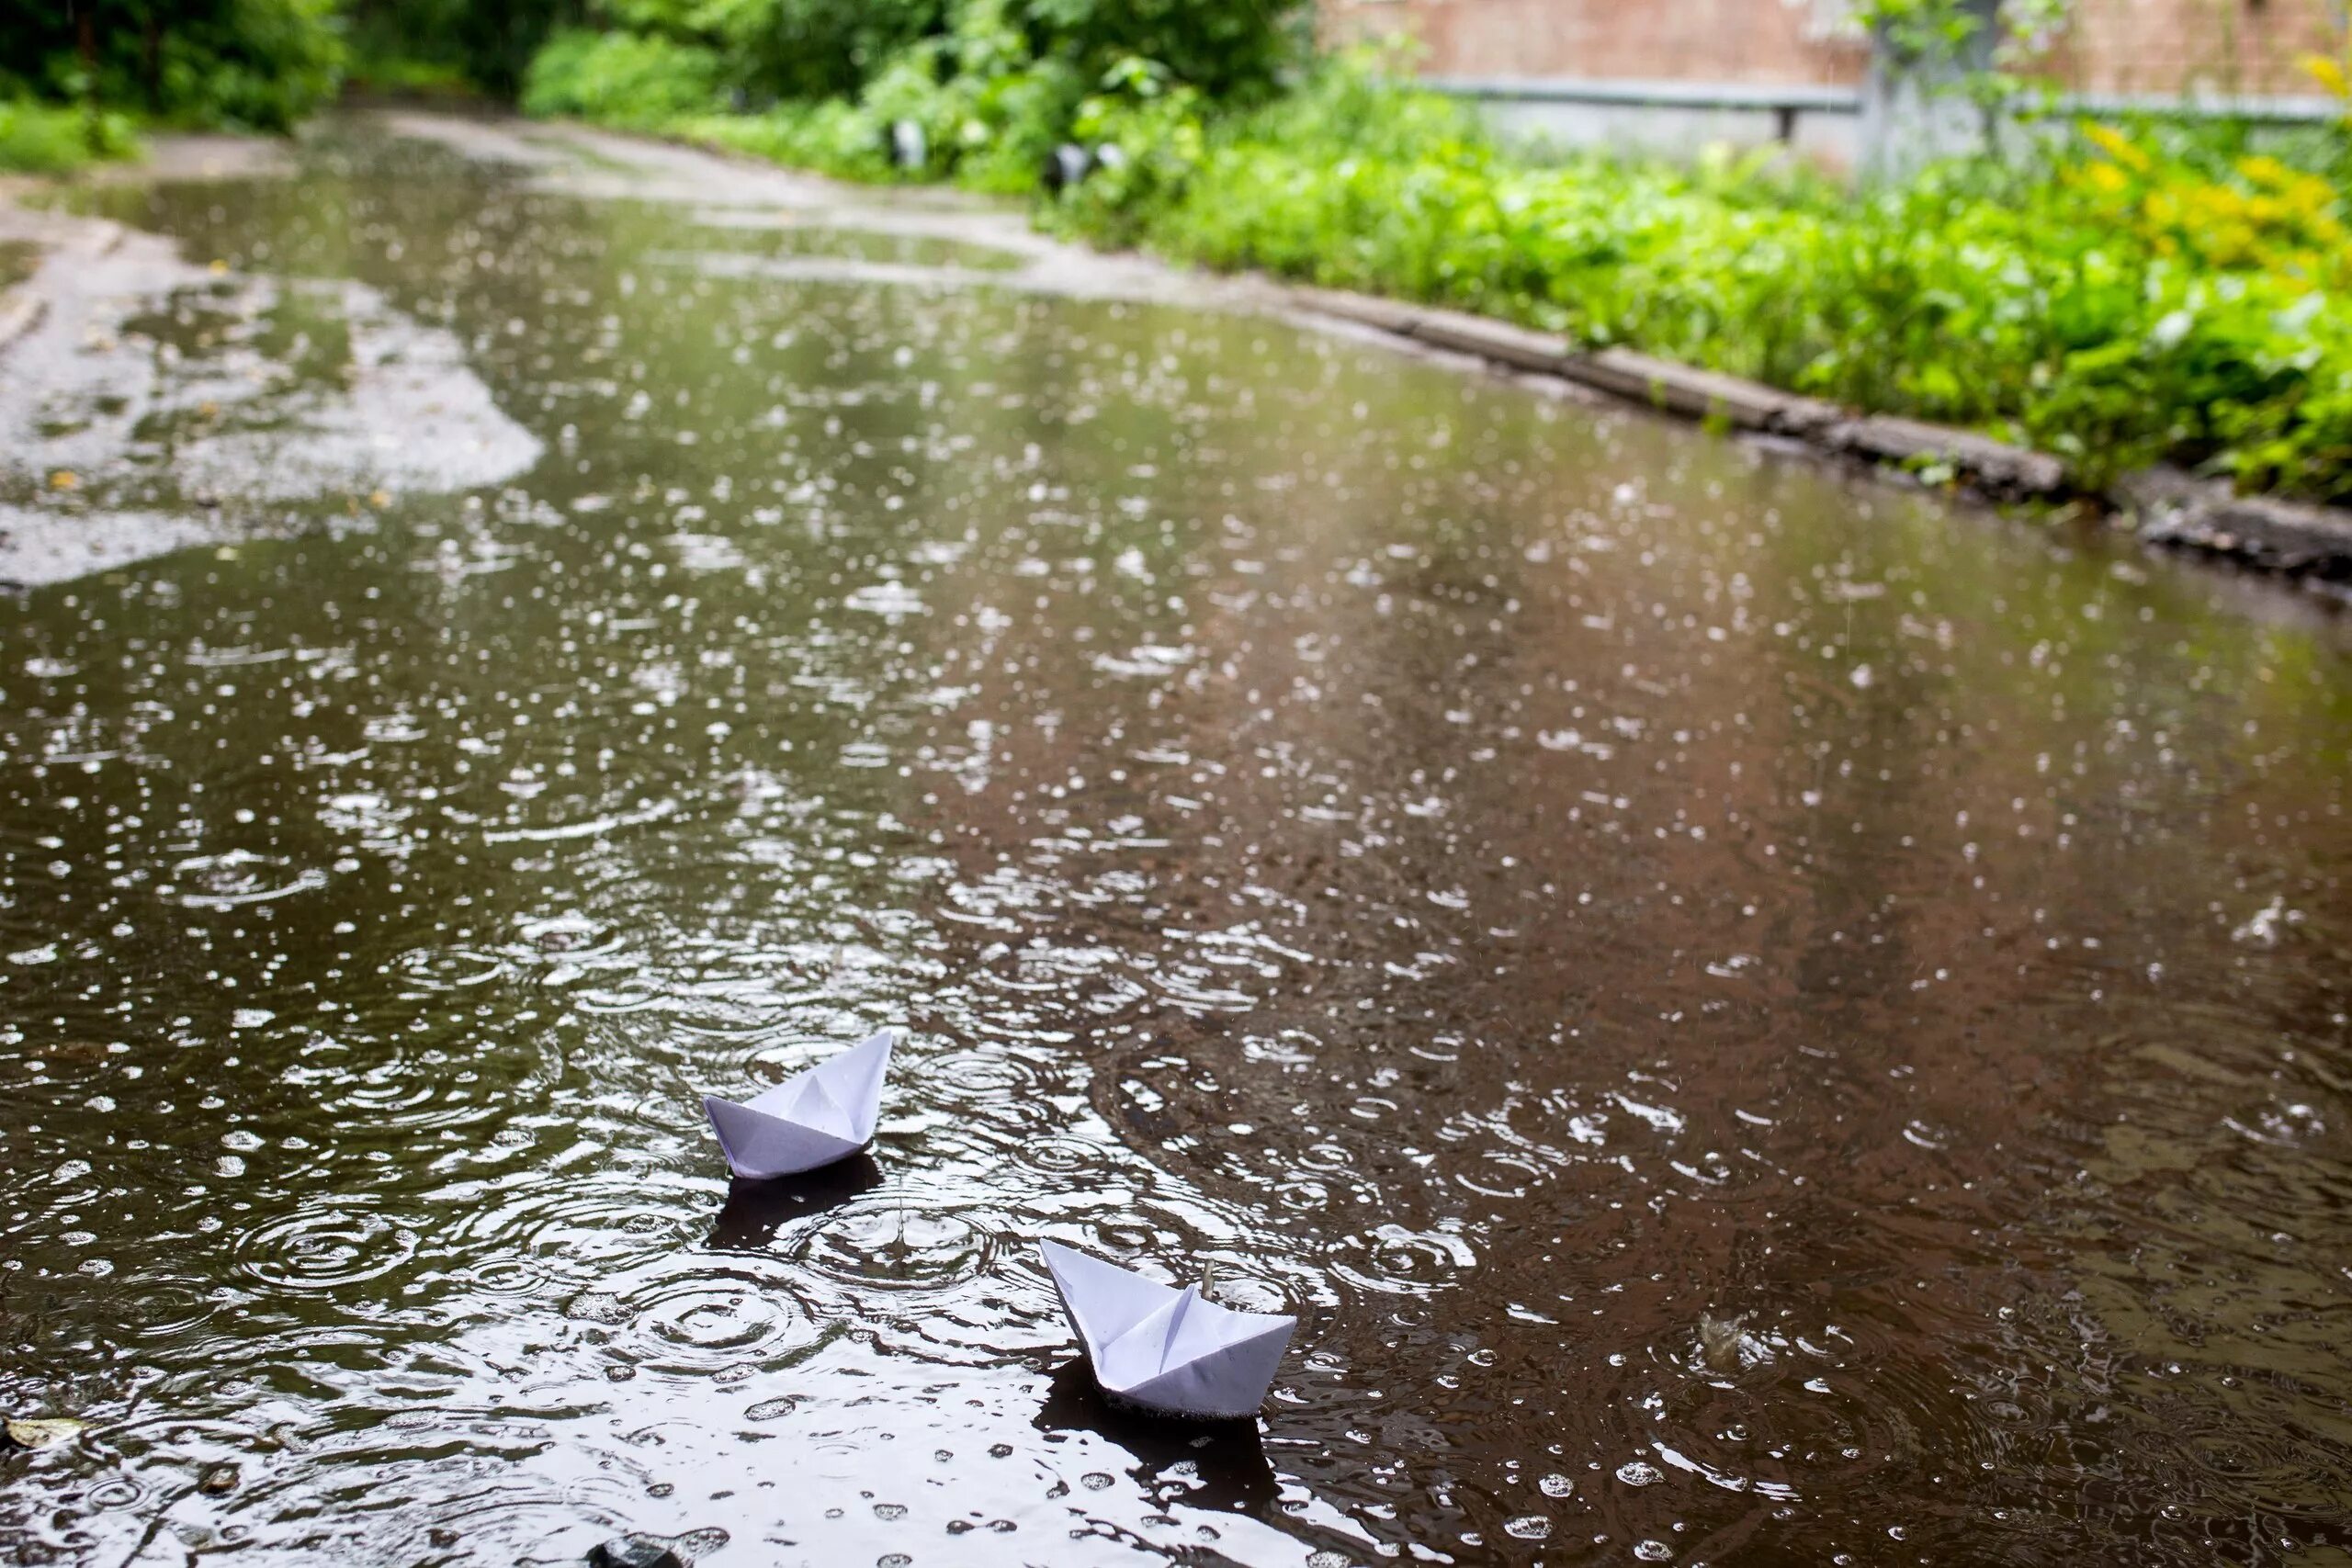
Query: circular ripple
[324, 1248]
[240, 876]
[880, 1247]
[998, 1075]
[421, 1083]
[1394, 1261]
[609, 1218]
[1303, 1193]
[1061, 1155]
[686, 1318]
[1847, 1426]
[452, 968]
[2235, 1463]
[162, 1310]
[509, 1278]
[115, 1491]
[711, 1320]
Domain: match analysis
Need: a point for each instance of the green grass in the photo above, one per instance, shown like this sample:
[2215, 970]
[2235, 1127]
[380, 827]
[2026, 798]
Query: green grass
[50, 138]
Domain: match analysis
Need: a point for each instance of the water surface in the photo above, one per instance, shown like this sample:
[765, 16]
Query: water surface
[1756, 1017]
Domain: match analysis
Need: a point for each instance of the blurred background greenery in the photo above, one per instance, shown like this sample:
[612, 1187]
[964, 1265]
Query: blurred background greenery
[2122, 292]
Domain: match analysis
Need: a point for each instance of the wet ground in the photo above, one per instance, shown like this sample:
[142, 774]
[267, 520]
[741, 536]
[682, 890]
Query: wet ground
[1756, 1016]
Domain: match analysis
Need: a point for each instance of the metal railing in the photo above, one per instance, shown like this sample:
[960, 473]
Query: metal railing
[1787, 101]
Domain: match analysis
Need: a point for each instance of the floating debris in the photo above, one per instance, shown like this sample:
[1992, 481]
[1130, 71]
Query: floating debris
[635, 1552]
[46, 1432]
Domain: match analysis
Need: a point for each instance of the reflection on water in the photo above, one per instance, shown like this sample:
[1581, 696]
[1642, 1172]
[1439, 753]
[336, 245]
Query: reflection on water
[755, 1212]
[1219, 1466]
[1752, 1018]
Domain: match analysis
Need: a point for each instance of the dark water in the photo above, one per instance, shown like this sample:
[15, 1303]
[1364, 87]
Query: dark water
[1755, 1018]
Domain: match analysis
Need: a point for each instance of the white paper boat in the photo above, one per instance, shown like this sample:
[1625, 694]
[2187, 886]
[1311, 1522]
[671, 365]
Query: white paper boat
[811, 1119]
[1167, 1350]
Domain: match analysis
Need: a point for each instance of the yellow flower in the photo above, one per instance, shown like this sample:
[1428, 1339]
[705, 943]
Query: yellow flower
[2264, 170]
[2118, 146]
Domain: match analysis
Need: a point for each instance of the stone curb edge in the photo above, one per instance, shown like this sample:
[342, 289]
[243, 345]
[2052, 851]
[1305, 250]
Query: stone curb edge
[16, 318]
[2163, 506]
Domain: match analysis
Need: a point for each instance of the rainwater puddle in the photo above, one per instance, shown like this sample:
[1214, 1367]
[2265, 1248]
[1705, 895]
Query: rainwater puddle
[1429, 850]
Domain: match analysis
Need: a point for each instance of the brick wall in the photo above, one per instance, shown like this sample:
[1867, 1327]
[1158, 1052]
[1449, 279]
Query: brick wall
[1762, 41]
[2129, 46]
[2168, 46]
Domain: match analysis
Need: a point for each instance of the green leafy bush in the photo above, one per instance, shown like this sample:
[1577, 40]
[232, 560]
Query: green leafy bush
[793, 48]
[2014, 299]
[990, 113]
[1229, 50]
[50, 138]
[2116, 300]
[247, 64]
[994, 63]
[446, 45]
[628, 79]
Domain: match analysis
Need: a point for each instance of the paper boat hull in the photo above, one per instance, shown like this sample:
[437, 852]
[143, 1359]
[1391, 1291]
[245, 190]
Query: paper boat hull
[811, 1119]
[1228, 1386]
[761, 1147]
[1227, 1360]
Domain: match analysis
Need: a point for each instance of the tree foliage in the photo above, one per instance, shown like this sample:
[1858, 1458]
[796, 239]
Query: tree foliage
[489, 44]
[779, 49]
[259, 64]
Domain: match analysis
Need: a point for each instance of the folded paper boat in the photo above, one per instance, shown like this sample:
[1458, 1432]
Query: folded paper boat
[1167, 1350]
[810, 1120]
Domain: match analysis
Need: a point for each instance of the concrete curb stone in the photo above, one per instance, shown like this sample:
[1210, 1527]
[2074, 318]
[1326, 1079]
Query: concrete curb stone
[2174, 508]
[2016, 472]
[1490, 339]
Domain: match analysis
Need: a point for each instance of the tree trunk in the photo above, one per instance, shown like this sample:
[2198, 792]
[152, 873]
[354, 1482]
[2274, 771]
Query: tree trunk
[86, 44]
[151, 61]
[1916, 107]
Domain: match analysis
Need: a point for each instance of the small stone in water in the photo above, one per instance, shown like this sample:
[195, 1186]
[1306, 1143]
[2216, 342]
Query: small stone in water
[635, 1552]
[44, 1434]
[218, 1480]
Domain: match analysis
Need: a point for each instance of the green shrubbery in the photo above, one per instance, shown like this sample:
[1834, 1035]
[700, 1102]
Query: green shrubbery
[2116, 300]
[440, 47]
[247, 64]
[994, 86]
[2102, 298]
[628, 79]
[990, 113]
[810, 49]
[47, 138]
